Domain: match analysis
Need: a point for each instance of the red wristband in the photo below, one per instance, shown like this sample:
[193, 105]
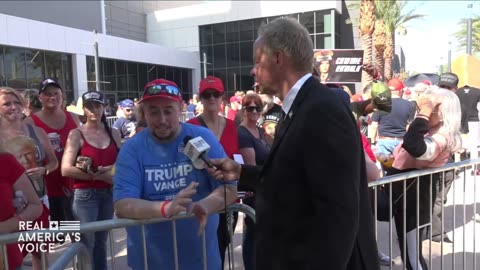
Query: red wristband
[162, 209]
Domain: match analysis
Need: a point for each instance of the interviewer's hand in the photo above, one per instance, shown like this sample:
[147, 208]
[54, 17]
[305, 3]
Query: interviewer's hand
[227, 169]
[182, 200]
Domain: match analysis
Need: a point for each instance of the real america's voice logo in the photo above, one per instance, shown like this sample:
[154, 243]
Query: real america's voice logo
[33, 240]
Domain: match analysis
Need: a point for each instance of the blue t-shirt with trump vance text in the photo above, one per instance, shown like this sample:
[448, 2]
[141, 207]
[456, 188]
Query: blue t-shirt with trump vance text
[146, 169]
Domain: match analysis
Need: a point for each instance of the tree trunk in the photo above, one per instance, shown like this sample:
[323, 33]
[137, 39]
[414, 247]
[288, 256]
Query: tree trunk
[389, 53]
[379, 44]
[367, 57]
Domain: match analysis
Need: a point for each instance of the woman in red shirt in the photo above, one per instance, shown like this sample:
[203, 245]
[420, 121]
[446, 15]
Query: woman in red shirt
[97, 145]
[12, 180]
[211, 94]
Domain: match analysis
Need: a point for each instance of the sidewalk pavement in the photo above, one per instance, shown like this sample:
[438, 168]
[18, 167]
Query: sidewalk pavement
[456, 255]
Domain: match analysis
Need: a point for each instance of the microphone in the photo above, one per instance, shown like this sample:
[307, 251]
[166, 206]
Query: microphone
[196, 150]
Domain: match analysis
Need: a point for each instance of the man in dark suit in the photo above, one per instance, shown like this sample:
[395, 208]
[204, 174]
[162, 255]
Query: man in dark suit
[312, 204]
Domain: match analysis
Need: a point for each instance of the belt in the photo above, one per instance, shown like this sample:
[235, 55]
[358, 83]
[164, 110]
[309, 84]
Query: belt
[390, 138]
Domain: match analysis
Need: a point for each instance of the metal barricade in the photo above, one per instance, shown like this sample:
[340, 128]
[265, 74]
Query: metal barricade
[416, 200]
[80, 256]
[111, 120]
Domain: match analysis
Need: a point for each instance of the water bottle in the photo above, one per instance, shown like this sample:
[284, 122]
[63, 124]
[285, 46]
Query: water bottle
[19, 202]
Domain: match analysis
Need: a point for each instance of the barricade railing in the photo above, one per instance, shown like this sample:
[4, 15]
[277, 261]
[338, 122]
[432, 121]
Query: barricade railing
[111, 120]
[416, 199]
[81, 257]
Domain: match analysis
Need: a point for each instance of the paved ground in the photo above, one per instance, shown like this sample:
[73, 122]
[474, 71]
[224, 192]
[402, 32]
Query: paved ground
[456, 255]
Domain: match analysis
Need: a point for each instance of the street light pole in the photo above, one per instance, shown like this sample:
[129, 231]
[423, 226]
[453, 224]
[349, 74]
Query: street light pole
[97, 68]
[449, 56]
[469, 29]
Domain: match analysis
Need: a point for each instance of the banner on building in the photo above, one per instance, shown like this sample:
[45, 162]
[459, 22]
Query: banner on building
[339, 66]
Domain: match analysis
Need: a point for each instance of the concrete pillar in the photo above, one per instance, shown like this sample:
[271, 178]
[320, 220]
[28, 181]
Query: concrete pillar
[79, 70]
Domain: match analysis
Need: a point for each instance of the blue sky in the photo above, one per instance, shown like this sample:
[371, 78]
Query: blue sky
[426, 41]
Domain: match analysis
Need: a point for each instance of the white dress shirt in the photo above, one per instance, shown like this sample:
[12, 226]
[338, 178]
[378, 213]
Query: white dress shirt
[292, 94]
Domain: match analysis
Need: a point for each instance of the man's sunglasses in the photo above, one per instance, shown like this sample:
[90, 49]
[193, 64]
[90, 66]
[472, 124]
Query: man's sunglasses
[163, 88]
[211, 94]
[253, 108]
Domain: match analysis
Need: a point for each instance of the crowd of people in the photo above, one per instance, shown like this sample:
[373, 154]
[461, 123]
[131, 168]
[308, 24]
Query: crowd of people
[304, 149]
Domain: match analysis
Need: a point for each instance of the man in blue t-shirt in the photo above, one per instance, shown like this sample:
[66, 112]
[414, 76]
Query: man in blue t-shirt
[153, 179]
[127, 123]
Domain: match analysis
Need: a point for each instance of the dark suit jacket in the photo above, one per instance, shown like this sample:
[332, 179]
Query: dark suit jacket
[312, 203]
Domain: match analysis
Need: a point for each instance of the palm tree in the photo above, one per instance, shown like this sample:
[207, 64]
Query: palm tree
[461, 35]
[366, 26]
[395, 22]
[379, 41]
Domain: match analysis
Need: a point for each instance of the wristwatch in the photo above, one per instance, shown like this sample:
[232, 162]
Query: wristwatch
[46, 171]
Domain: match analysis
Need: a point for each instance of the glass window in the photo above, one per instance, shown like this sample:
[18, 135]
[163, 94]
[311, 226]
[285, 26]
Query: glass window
[142, 76]
[233, 79]
[67, 72]
[35, 68]
[246, 79]
[233, 55]
[256, 25]
[208, 50]
[185, 84]
[170, 73]
[2, 71]
[177, 75]
[15, 68]
[109, 75]
[221, 73]
[206, 35]
[273, 18]
[121, 76]
[151, 72]
[245, 29]
[320, 21]
[218, 33]
[246, 53]
[328, 24]
[323, 41]
[162, 72]
[132, 78]
[308, 20]
[313, 41]
[219, 56]
[232, 32]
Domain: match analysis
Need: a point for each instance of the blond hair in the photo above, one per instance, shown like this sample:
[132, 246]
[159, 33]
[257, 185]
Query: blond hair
[4, 90]
[18, 143]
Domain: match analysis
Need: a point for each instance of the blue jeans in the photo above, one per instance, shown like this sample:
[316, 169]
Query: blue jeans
[93, 205]
[387, 146]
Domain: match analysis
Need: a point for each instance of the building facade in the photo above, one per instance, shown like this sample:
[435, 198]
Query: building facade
[141, 40]
[223, 32]
[34, 45]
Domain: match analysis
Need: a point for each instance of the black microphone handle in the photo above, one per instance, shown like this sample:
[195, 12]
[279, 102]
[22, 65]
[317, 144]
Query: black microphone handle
[207, 160]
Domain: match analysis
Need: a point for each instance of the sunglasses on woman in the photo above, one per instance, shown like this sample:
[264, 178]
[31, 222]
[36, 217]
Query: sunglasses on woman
[211, 94]
[253, 108]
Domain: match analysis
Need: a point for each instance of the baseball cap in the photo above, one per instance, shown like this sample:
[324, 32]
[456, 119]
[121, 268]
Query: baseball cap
[47, 82]
[382, 97]
[211, 83]
[395, 84]
[235, 98]
[127, 103]
[93, 96]
[161, 88]
[448, 79]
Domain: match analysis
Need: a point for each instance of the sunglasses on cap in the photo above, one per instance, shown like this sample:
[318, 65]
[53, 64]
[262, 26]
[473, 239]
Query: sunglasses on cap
[253, 108]
[163, 88]
[208, 95]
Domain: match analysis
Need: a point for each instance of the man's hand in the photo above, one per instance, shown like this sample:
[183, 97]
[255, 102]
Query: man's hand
[201, 212]
[182, 200]
[227, 169]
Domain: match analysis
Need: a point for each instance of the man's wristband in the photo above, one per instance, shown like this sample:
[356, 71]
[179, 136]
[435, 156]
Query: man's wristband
[162, 209]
